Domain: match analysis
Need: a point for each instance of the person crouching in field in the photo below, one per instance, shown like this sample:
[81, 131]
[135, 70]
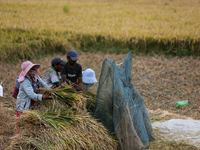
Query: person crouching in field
[29, 83]
[89, 78]
[52, 75]
[72, 71]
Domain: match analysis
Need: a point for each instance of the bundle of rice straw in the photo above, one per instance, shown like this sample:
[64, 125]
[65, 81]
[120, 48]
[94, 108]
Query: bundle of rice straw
[52, 125]
[67, 96]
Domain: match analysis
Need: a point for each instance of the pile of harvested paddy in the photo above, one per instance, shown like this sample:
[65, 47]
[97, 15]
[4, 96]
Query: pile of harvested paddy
[52, 125]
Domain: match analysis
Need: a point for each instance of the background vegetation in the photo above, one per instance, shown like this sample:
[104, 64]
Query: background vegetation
[33, 28]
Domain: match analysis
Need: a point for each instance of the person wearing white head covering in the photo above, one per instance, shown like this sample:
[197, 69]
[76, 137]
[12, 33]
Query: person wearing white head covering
[88, 77]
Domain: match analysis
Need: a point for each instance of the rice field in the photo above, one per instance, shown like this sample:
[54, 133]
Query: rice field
[122, 20]
[160, 80]
[30, 28]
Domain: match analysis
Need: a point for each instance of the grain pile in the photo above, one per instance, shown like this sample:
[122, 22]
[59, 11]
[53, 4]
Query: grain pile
[61, 123]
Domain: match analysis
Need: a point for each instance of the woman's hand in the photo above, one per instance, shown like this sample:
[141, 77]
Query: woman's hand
[46, 97]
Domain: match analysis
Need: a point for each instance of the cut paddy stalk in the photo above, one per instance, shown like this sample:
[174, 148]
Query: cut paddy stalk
[52, 125]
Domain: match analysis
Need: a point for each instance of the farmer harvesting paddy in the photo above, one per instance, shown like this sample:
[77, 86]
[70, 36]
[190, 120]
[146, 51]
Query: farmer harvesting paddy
[72, 71]
[52, 75]
[30, 82]
[167, 28]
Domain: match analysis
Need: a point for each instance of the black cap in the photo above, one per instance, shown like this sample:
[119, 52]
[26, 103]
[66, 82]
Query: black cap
[58, 60]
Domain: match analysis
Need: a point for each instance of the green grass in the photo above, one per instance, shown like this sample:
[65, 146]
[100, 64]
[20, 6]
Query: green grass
[66, 9]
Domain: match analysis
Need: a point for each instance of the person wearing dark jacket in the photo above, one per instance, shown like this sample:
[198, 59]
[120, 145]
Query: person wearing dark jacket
[72, 71]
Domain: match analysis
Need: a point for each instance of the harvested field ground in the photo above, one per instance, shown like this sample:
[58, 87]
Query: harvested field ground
[160, 80]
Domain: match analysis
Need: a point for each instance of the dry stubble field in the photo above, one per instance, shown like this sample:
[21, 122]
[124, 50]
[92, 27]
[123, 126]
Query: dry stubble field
[160, 80]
